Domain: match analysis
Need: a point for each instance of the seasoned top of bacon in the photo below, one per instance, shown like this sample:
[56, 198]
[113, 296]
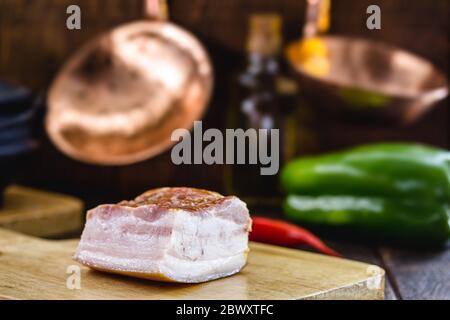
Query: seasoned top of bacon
[189, 199]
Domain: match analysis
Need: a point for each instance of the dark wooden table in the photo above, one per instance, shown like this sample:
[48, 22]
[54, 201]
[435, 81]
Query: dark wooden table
[410, 275]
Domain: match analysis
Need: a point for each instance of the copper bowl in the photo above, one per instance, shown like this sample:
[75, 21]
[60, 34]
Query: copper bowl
[118, 100]
[372, 80]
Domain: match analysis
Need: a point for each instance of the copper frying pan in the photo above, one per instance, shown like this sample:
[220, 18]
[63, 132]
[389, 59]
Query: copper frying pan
[119, 98]
[373, 80]
[367, 78]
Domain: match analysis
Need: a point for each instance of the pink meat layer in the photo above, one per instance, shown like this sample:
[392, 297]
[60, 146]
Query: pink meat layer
[170, 234]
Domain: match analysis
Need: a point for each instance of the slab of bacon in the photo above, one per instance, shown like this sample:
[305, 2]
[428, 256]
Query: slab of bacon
[169, 234]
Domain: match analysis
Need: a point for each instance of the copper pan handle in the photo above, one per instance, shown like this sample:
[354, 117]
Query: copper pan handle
[312, 16]
[156, 10]
[317, 17]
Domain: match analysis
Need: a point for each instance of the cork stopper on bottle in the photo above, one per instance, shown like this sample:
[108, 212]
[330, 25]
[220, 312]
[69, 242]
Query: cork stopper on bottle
[264, 34]
[156, 10]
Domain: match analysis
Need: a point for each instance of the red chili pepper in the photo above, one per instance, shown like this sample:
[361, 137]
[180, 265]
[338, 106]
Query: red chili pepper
[281, 233]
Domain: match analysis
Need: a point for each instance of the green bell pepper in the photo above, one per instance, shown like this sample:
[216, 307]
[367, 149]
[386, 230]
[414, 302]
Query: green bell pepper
[386, 170]
[397, 192]
[400, 221]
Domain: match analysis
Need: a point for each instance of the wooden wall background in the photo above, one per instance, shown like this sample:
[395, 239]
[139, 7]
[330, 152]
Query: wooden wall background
[34, 43]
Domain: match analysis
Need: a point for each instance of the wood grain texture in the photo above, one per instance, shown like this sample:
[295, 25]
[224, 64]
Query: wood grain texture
[39, 213]
[367, 254]
[34, 40]
[32, 48]
[32, 268]
[419, 274]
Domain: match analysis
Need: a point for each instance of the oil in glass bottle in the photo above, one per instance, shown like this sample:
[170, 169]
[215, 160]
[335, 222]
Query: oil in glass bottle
[264, 97]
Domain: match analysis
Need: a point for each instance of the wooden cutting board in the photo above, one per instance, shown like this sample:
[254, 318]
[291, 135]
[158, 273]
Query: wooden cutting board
[40, 213]
[32, 268]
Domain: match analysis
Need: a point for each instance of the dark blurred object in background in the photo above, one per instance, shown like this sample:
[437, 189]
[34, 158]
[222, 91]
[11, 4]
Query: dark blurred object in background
[264, 97]
[13, 100]
[17, 111]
